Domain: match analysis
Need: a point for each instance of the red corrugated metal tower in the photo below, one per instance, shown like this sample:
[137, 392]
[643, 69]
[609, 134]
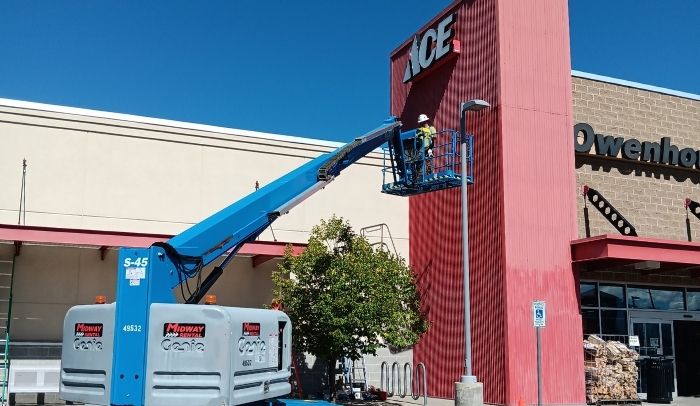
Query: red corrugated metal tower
[515, 55]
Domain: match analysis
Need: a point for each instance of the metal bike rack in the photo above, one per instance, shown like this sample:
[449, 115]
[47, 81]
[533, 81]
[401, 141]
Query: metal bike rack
[401, 383]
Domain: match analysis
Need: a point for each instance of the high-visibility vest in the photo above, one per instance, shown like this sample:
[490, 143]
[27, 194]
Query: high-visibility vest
[426, 135]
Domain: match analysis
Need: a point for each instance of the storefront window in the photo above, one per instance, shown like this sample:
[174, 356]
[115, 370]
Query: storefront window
[642, 297]
[591, 322]
[612, 296]
[614, 322]
[589, 294]
[693, 299]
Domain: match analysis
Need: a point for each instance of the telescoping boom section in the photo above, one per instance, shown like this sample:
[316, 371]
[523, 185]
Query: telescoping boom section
[146, 349]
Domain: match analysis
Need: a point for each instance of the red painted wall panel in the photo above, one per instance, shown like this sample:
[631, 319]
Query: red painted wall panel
[435, 225]
[539, 198]
[515, 55]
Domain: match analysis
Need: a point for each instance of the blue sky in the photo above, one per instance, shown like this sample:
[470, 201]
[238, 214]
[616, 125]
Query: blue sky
[646, 41]
[308, 68]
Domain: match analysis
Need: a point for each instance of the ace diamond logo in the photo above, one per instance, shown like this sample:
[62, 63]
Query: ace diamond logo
[434, 45]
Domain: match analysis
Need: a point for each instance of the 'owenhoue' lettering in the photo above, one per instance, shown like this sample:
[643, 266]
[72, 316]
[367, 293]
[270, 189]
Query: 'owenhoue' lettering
[606, 145]
[632, 149]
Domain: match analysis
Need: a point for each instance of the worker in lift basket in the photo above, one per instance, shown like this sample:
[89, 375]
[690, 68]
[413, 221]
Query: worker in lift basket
[425, 134]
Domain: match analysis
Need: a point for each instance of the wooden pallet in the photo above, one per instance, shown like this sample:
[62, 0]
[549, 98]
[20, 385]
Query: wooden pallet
[619, 402]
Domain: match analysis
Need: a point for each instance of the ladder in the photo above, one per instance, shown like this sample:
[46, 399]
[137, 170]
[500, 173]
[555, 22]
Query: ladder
[359, 374]
[7, 266]
[355, 375]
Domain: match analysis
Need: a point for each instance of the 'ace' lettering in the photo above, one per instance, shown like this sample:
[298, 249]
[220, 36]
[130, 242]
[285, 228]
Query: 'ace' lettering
[433, 46]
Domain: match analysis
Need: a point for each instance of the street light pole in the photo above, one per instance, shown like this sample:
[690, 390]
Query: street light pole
[472, 105]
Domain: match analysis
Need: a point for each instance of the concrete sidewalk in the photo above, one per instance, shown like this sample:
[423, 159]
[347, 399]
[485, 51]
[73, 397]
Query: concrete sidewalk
[680, 401]
[52, 399]
[407, 401]
[396, 401]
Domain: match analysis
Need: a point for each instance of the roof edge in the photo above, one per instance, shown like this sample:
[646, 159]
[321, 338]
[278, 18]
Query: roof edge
[54, 108]
[636, 85]
[618, 247]
[41, 235]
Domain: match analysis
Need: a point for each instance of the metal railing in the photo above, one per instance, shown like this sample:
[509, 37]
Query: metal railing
[5, 342]
[422, 162]
[412, 167]
[368, 232]
[401, 383]
[5, 371]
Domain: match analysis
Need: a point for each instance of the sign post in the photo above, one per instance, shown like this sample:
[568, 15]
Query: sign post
[539, 319]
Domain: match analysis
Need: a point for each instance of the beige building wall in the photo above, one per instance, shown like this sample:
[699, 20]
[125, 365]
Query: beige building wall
[114, 172]
[650, 196]
[89, 170]
[51, 279]
[103, 171]
[48, 281]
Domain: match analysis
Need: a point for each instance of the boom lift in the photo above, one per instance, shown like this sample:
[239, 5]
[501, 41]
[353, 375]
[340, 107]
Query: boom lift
[146, 349]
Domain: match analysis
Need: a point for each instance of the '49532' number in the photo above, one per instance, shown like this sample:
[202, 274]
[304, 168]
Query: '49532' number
[132, 328]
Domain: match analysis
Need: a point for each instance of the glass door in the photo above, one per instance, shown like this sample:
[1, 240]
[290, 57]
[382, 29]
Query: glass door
[655, 340]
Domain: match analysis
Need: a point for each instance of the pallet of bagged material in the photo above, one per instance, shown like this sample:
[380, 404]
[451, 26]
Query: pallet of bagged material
[610, 370]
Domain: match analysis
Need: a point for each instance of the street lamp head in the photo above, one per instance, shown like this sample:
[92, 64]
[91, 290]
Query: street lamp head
[471, 105]
[474, 105]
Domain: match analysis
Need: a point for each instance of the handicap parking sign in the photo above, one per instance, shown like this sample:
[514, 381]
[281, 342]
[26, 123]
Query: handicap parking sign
[539, 312]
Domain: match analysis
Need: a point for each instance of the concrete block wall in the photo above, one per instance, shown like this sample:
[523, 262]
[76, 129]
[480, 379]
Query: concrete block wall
[650, 196]
[373, 363]
[314, 369]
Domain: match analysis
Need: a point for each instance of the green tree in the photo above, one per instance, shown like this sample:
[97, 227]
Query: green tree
[343, 296]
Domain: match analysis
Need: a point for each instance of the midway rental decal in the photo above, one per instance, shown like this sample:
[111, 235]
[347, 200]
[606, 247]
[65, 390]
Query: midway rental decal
[662, 152]
[434, 45]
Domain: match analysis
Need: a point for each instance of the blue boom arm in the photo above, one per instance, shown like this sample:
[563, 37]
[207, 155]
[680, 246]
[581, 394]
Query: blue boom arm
[147, 276]
[248, 217]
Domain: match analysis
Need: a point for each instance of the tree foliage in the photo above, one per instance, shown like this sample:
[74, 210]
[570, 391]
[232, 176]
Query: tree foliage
[343, 296]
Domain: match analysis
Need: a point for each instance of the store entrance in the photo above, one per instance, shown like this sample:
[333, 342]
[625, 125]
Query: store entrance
[655, 340]
[686, 337]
